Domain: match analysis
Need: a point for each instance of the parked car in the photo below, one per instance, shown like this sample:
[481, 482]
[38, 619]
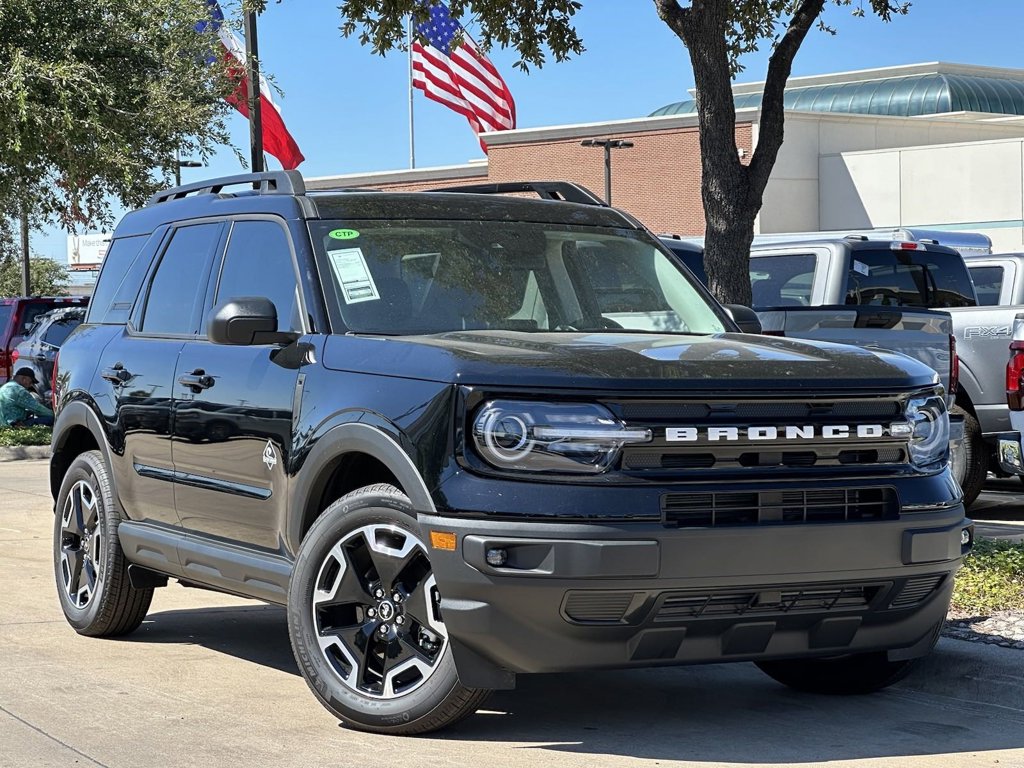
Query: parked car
[38, 350]
[473, 437]
[892, 295]
[16, 317]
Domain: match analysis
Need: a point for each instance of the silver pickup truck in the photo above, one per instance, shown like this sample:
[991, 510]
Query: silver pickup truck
[891, 295]
[990, 342]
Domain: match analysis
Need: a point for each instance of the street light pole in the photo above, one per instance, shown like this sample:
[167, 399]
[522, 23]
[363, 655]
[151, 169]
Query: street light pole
[608, 145]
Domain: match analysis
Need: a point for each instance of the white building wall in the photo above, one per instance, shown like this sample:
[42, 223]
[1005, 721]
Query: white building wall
[833, 171]
[974, 186]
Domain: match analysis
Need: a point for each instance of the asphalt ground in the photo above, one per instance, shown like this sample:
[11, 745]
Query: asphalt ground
[209, 680]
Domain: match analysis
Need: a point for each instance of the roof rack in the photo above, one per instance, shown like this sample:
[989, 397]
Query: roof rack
[547, 190]
[268, 183]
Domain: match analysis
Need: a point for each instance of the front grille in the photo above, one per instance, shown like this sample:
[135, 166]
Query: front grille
[791, 599]
[747, 448]
[916, 590]
[840, 505]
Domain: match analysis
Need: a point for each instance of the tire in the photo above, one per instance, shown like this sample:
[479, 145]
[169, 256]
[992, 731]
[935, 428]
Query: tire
[858, 674]
[89, 565]
[975, 457]
[378, 663]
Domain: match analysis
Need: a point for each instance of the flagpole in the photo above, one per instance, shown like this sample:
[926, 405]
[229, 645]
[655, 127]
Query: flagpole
[255, 118]
[412, 132]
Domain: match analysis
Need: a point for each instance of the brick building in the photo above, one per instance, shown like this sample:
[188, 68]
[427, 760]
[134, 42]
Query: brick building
[929, 145]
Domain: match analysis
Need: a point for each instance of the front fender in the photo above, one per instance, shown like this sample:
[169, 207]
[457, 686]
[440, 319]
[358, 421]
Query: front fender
[353, 437]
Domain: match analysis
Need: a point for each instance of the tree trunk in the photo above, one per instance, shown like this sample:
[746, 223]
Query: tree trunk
[732, 193]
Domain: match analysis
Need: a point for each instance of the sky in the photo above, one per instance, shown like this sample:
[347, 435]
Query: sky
[348, 109]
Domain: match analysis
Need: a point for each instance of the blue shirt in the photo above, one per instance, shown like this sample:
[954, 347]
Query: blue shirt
[16, 403]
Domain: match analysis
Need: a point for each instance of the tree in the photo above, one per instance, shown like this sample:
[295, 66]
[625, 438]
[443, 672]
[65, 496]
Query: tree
[47, 277]
[96, 98]
[716, 33]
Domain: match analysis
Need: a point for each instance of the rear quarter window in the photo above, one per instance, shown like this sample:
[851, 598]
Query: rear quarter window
[119, 275]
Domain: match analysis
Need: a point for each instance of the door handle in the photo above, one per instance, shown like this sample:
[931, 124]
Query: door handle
[197, 381]
[116, 374]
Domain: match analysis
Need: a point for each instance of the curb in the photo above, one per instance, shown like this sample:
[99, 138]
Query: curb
[19, 452]
[972, 672]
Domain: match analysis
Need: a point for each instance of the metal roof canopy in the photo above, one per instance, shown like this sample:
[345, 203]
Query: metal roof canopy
[914, 95]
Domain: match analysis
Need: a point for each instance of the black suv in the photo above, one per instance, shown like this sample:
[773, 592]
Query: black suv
[38, 350]
[466, 436]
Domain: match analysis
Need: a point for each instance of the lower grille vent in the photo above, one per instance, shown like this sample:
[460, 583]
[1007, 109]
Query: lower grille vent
[916, 590]
[816, 598]
[842, 505]
[597, 607]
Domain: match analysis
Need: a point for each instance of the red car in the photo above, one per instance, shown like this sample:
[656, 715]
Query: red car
[17, 316]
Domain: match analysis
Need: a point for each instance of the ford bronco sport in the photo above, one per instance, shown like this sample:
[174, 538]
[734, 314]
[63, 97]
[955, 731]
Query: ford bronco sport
[464, 437]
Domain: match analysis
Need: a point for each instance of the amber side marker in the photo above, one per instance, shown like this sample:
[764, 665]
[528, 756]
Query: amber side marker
[443, 540]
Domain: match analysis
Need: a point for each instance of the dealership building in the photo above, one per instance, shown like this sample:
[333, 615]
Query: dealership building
[937, 146]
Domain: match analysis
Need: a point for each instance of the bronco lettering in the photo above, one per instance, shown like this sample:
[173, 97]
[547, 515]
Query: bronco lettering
[807, 432]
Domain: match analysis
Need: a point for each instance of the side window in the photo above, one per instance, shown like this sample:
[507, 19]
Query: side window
[258, 262]
[179, 283]
[782, 281]
[60, 329]
[121, 254]
[988, 284]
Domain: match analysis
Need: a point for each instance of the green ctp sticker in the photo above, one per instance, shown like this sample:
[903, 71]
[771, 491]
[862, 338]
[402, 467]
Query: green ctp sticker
[344, 234]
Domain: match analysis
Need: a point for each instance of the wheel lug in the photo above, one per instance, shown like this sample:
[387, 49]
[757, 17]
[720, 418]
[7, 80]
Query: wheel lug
[399, 619]
[371, 612]
[384, 629]
[378, 593]
[397, 597]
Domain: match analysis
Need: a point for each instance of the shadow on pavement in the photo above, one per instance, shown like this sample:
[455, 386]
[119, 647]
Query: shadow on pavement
[716, 713]
[256, 633]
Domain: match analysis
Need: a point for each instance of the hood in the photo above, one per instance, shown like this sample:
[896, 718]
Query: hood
[617, 361]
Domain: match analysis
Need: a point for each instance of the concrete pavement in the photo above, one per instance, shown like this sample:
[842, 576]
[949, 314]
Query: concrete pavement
[209, 681]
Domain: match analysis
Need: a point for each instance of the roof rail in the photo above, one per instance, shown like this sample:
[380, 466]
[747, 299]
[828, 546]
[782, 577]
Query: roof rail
[268, 183]
[548, 190]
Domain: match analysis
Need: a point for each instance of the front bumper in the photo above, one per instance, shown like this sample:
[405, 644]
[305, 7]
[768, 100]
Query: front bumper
[584, 596]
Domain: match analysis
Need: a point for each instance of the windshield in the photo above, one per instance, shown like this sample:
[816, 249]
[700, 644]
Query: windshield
[412, 277]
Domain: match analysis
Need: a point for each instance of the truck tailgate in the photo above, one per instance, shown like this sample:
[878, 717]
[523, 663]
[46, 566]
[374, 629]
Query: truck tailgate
[922, 334]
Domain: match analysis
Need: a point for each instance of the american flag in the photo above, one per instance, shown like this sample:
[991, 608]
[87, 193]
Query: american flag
[460, 76]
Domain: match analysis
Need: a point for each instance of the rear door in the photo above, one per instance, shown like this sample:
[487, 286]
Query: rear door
[233, 405]
[136, 369]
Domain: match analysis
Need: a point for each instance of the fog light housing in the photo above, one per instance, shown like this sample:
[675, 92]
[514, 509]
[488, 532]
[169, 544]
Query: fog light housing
[497, 557]
[965, 537]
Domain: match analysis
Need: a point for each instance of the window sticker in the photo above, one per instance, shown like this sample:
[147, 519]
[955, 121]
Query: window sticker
[861, 267]
[350, 268]
[343, 234]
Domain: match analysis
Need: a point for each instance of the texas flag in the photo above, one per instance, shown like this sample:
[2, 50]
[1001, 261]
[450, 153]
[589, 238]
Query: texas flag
[276, 139]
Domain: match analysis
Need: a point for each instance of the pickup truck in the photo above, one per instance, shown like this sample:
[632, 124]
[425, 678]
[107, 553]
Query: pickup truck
[990, 385]
[871, 293]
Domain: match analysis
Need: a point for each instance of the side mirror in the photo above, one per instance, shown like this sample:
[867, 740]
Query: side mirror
[744, 317]
[243, 321]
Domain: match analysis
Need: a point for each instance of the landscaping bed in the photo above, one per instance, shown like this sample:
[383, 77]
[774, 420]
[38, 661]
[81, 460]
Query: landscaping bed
[988, 601]
[11, 437]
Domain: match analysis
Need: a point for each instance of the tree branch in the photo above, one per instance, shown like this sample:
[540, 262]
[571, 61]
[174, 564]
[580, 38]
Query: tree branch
[780, 64]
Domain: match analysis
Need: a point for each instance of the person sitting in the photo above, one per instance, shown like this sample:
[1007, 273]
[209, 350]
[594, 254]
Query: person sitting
[17, 406]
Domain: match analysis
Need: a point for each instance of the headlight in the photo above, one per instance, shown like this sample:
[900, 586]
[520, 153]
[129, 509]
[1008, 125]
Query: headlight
[927, 431]
[548, 437]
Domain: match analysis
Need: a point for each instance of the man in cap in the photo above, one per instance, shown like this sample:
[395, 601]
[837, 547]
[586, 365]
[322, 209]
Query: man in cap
[17, 406]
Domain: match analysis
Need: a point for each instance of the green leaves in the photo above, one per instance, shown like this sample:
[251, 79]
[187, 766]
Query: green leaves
[95, 97]
[47, 277]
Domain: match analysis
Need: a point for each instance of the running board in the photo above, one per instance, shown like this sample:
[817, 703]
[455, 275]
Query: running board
[222, 567]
